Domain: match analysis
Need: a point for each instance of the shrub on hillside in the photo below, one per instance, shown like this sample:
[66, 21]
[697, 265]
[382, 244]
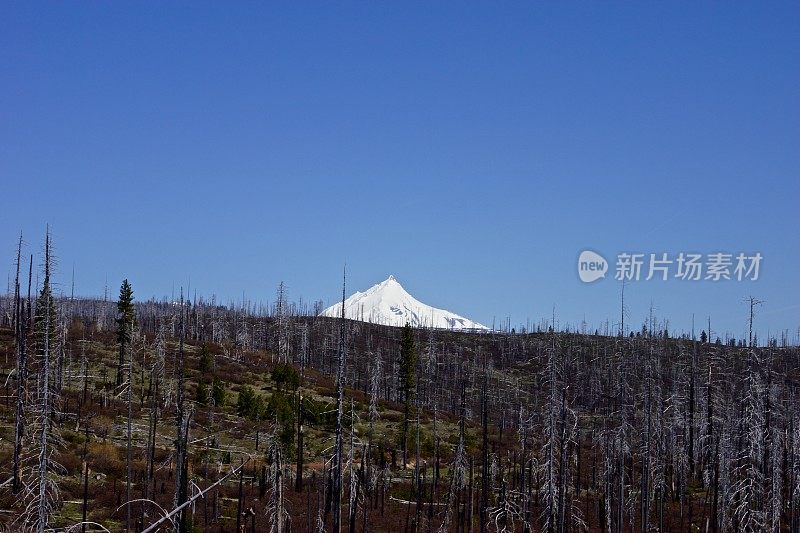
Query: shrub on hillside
[284, 374]
[250, 404]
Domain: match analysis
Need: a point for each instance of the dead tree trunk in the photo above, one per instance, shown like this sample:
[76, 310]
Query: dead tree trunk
[20, 339]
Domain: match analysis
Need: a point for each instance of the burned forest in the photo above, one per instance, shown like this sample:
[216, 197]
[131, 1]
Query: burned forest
[188, 415]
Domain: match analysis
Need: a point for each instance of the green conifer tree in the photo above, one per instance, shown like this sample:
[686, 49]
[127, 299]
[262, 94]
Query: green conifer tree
[218, 393]
[206, 364]
[125, 324]
[202, 393]
[408, 366]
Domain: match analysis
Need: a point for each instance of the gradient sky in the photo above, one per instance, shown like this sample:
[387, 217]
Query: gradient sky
[470, 149]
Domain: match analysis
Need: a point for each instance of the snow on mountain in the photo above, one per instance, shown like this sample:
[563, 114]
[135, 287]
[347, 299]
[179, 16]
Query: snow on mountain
[389, 304]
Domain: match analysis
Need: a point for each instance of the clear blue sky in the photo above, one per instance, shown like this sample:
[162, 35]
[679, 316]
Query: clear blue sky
[470, 149]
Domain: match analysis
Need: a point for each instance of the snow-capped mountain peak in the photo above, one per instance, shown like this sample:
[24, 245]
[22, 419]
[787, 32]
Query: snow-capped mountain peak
[388, 303]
